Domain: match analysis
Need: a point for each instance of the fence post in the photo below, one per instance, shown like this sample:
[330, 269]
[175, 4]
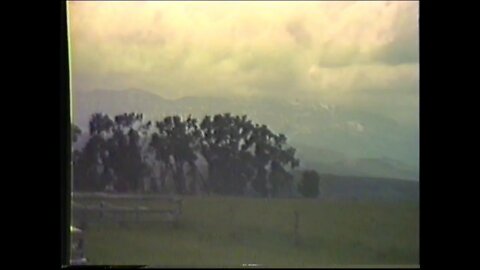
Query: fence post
[296, 236]
[179, 206]
[231, 214]
[137, 214]
[102, 209]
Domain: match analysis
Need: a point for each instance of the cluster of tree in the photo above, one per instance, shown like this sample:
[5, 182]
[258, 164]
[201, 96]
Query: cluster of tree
[239, 154]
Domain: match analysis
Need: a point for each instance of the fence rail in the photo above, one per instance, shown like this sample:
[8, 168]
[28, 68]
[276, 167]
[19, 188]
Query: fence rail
[168, 206]
[113, 196]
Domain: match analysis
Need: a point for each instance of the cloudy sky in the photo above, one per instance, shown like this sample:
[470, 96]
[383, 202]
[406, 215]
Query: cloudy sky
[358, 54]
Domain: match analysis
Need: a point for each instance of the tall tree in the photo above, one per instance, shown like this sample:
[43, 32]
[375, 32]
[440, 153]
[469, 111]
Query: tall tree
[124, 156]
[174, 144]
[113, 153]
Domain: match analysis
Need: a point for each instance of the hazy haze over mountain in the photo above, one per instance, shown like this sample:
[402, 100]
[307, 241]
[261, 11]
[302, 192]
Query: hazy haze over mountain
[340, 79]
[326, 138]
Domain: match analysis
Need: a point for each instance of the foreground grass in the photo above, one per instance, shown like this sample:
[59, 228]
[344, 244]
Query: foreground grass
[230, 232]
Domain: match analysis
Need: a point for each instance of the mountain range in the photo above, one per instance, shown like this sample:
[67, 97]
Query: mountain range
[330, 139]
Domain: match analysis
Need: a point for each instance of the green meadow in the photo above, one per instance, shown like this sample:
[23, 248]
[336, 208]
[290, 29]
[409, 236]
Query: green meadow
[236, 232]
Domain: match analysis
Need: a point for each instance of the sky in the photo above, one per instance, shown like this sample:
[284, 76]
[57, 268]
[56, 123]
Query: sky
[357, 54]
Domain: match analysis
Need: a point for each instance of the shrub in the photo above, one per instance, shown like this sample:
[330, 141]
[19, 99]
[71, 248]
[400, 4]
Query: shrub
[309, 183]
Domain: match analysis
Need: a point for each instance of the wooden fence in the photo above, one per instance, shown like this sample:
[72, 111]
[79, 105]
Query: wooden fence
[102, 205]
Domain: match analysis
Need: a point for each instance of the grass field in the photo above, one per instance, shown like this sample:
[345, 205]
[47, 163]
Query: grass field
[231, 232]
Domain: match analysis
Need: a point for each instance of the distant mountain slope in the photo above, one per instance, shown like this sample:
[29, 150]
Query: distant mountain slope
[335, 187]
[330, 139]
[358, 188]
[372, 167]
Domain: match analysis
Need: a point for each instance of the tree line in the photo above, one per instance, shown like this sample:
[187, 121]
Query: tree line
[121, 152]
